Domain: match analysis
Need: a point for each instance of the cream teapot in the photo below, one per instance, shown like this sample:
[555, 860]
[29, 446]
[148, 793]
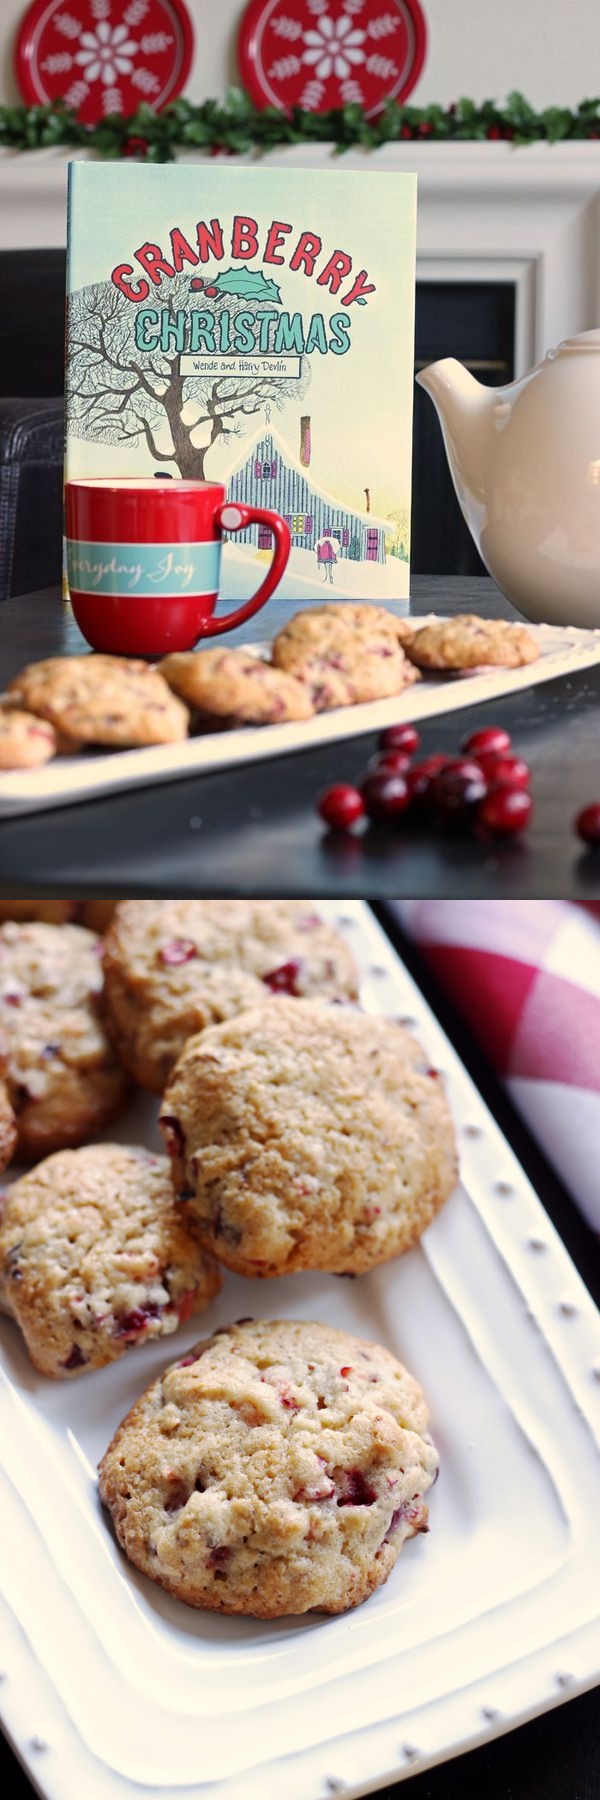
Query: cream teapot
[525, 462]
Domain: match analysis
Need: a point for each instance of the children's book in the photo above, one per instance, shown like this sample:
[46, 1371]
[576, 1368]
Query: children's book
[253, 326]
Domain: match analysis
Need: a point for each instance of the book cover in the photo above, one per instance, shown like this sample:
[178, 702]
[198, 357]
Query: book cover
[253, 326]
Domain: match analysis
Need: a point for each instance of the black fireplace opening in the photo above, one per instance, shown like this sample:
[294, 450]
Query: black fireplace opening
[473, 321]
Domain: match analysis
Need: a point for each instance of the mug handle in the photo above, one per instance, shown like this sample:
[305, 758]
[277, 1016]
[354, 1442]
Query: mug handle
[234, 517]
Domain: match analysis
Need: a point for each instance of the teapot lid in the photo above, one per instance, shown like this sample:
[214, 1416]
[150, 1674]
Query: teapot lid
[587, 340]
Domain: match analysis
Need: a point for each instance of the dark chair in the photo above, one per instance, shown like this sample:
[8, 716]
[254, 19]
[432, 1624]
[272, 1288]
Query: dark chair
[31, 494]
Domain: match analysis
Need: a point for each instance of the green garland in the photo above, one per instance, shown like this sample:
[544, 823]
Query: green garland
[235, 124]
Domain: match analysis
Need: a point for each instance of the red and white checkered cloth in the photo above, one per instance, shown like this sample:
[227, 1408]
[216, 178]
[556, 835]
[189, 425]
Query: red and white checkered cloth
[525, 974]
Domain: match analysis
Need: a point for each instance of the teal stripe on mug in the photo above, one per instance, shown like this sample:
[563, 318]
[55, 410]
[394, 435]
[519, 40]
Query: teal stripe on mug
[168, 570]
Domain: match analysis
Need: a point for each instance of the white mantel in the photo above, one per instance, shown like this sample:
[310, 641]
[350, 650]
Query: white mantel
[487, 212]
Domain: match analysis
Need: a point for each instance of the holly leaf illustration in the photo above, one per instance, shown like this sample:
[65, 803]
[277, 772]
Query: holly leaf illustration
[247, 284]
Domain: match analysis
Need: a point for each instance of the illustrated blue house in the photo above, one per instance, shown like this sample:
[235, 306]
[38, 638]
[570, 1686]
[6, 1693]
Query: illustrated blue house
[269, 476]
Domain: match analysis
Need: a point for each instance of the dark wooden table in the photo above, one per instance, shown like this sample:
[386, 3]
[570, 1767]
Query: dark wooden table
[254, 830]
[555, 1757]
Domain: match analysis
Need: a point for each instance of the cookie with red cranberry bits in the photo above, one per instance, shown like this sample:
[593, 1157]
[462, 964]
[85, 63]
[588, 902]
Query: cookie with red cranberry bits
[307, 1136]
[324, 649]
[172, 967]
[96, 1257]
[467, 642]
[278, 1468]
[8, 1126]
[232, 685]
[25, 742]
[52, 912]
[64, 1080]
[110, 700]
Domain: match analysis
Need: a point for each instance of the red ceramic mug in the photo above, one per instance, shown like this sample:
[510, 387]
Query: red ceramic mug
[143, 561]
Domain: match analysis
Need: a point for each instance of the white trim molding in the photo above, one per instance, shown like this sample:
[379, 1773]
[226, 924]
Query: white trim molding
[487, 212]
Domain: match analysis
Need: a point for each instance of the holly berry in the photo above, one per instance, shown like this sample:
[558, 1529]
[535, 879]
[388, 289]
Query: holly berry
[400, 737]
[505, 810]
[587, 824]
[385, 796]
[211, 292]
[511, 771]
[488, 737]
[340, 806]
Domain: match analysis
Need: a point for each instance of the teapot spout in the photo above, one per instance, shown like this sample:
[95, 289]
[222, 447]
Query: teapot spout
[464, 409]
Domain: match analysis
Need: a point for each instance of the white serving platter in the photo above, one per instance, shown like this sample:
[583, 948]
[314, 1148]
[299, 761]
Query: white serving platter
[89, 776]
[114, 1691]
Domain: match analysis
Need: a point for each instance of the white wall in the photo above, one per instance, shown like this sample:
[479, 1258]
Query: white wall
[548, 48]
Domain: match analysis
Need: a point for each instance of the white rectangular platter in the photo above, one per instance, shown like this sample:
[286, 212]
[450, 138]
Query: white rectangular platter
[114, 1691]
[87, 777]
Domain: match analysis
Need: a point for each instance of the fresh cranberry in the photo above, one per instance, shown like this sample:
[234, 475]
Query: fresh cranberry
[285, 979]
[488, 737]
[181, 950]
[505, 810]
[340, 806]
[455, 792]
[431, 765]
[511, 771]
[469, 766]
[587, 823]
[419, 788]
[354, 1489]
[400, 737]
[385, 796]
[12, 999]
[346, 1369]
[392, 762]
[173, 1135]
[75, 1359]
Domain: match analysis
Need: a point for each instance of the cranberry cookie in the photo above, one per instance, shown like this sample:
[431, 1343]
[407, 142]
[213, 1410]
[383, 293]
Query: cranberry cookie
[278, 1468]
[172, 967]
[8, 1127]
[64, 1081]
[307, 1136]
[25, 742]
[95, 1257]
[466, 642]
[230, 684]
[341, 659]
[110, 700]
[53, 912]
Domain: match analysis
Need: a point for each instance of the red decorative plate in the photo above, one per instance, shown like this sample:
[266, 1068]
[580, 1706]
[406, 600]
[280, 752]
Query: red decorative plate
[319, 54]
[103, 56]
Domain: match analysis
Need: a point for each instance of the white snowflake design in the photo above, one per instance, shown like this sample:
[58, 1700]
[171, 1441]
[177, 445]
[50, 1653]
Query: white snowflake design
[106, 53]
[333, 47]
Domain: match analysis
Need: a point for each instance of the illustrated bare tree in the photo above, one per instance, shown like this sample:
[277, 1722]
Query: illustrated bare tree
[118, 394]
